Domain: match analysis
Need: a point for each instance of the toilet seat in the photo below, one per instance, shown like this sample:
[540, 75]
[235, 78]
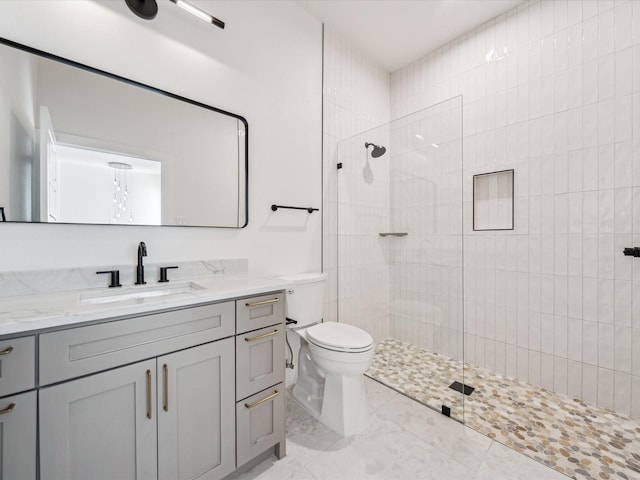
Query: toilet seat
[339, 337]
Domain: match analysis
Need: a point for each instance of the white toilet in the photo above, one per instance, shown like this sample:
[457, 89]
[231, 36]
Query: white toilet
[332, 359]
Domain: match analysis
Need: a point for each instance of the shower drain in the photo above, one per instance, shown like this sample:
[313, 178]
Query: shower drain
[462, 388]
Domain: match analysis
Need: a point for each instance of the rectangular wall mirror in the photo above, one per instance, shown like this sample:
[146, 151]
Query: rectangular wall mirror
[79, 145]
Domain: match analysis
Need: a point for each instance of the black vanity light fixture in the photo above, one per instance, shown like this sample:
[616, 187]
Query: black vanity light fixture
[193, 10]
[146, 9]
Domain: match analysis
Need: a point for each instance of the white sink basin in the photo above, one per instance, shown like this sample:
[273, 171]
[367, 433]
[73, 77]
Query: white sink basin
[138, 293]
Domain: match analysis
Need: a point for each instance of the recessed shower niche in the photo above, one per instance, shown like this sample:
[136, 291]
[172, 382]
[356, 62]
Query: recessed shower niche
[493, 201]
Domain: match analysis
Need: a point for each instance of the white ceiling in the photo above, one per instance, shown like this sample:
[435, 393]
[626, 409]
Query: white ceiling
[394, 33]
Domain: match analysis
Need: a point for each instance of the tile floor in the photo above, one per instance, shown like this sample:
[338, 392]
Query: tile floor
[404, 440]
[571, 436]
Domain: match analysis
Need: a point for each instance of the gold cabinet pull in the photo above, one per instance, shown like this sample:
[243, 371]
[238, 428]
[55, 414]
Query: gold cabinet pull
[259, 337]
[6, 351]
[9, 409]
[264, 302]
[165, 390]
[260, 402]
[149, 394]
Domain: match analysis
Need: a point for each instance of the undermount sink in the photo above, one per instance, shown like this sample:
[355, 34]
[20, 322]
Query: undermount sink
[136, 293]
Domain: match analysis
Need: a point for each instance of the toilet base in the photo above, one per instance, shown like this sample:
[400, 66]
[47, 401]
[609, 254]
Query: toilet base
[344, 406]
[338, 401]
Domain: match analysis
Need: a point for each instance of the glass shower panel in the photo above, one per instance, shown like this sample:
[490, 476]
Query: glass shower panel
[399, 251]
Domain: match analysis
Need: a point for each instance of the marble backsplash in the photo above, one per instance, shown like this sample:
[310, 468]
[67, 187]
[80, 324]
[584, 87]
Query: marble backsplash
[50, 281]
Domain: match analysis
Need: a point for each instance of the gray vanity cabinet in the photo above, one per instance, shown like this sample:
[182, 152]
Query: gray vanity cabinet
[151, 396]
[164, 418]
[259, 377]
[176, 388]
[17, 408]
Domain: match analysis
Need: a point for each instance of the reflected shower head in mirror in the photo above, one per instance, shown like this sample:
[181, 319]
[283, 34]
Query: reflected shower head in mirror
[377, 151]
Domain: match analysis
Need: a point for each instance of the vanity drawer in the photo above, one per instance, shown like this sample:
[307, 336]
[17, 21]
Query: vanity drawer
[260, 423]
[17, 365]
[258, 312]
[259, 360]
[80, 351]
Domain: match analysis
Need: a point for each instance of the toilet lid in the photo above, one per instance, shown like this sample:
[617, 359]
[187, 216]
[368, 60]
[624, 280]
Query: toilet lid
[339, 336]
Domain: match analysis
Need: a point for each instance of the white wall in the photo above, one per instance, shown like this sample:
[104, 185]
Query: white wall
[266, 65]
[551, 89]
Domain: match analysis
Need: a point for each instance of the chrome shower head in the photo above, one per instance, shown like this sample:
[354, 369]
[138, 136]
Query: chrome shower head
[378, 150]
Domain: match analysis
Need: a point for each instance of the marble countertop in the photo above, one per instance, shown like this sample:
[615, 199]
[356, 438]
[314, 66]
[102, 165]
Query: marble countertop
[30, 313]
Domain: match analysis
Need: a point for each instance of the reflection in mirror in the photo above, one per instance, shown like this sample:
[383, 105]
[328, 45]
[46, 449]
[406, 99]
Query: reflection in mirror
[82, 146]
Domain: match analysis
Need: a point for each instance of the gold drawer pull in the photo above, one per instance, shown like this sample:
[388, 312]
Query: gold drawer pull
[165, 390]
[264, 302]
[149, 394]
[6, 351]
[260, 402]
[260, 337]
[9, 409]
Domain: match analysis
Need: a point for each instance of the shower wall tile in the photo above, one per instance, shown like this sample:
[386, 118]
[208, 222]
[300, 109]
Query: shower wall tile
[589, 383]
[605, 388]
[622, 393]
[574, 379]
[551, 89]
[355, 99]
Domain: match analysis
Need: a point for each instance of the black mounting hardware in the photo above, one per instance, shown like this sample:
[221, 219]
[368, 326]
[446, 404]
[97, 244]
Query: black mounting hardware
[115, 277]
[275, 207]
[163, 274]
[446, 410]
[632, 251]
[339, 165]
[2, 217]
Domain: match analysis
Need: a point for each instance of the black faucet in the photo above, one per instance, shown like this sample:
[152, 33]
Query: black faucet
[142, 252]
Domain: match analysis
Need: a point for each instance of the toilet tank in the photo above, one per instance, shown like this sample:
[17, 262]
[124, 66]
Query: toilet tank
[305, 301]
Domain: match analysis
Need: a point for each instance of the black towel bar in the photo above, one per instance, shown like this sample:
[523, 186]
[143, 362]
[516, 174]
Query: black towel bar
[275, 207]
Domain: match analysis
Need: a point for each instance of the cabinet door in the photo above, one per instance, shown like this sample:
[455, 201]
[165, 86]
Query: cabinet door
[100, 427]
[259, 360]
[18, 436]
[196, 403]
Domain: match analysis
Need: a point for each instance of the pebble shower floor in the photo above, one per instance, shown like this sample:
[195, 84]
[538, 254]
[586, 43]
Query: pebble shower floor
[580, 440]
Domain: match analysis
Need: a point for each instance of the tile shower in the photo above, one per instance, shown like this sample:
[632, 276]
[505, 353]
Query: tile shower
[551, 90]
